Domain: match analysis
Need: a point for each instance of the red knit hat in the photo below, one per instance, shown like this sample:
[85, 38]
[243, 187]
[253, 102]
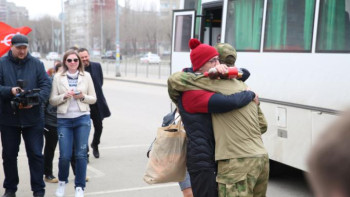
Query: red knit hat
[200, 53]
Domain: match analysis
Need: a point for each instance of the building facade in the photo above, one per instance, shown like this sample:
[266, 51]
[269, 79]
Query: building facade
[13, 15]
[90, 24]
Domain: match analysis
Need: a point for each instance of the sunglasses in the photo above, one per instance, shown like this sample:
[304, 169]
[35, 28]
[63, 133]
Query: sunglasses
[70, 60]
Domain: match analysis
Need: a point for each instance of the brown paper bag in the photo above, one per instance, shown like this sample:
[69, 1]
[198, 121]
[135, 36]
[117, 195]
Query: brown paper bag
[167, 160]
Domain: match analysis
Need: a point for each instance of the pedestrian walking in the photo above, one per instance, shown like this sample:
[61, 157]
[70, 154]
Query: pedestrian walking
[100, 109]
[72, 92]
[24, 86]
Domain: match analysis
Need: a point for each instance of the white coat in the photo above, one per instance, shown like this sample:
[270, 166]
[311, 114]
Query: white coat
[60, 86]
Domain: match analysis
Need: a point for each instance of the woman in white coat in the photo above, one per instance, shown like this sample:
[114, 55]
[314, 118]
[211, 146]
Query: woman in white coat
[72, 92]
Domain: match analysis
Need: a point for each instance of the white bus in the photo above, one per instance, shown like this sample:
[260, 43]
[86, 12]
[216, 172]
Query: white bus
[298, 54]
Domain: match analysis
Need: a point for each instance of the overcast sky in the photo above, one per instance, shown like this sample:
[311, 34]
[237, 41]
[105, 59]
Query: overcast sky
[38, 8]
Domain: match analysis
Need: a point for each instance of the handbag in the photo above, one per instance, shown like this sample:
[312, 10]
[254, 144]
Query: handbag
[167, 160]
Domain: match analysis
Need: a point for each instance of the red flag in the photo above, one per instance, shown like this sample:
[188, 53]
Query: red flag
[6, 33]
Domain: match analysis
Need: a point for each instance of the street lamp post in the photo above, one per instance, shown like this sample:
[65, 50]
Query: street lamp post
[117, 47]
[102, 3]
[62, 26]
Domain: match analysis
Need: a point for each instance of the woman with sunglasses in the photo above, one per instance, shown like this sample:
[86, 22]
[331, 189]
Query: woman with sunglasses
[72, 92]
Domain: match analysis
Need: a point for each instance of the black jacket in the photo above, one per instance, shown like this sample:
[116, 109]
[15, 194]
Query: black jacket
[200, 140]
[50, 112]
[32, 71]
[97, 77]
[50, 115]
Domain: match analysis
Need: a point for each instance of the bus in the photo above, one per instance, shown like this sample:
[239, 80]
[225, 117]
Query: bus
[298, 54]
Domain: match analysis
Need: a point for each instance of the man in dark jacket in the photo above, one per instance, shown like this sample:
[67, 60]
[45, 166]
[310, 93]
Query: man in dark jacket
[18, 117]
[100, 109]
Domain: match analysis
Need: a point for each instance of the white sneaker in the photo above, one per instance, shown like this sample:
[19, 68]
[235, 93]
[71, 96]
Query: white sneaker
[60, 189]
[79, 192]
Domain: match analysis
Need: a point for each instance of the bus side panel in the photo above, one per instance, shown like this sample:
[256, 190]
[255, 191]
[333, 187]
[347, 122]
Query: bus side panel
[292, 132]
[320, 122]
[286, 143]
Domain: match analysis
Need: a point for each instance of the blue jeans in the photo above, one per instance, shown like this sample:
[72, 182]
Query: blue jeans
[33, 139]
[73, 131]
[185, 183]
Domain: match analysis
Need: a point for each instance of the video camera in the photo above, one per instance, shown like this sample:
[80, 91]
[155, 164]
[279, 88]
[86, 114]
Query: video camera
[26, 97]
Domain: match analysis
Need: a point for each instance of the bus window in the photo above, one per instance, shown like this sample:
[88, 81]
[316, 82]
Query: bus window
[289, 25]
[244, 24]
[192, 4]
[183, 28]
[333, 33]
[195, 4]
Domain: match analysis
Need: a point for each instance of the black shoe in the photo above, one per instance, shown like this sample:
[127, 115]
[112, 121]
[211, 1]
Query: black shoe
[95, 151]
[39, 193]
[9, 194]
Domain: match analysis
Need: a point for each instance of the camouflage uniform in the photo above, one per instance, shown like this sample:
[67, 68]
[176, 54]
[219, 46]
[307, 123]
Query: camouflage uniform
[253, 172]
[243, 177]
[227, 54]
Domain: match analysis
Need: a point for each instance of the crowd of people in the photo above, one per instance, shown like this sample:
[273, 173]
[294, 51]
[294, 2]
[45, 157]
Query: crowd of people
[58, 104]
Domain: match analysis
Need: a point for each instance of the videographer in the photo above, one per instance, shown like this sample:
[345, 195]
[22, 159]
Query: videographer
[24, 86]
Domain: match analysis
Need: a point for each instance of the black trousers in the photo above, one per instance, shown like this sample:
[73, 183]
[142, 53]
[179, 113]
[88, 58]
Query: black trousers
[203, 183]
[51, 139]
[33, 139]
[97, 120]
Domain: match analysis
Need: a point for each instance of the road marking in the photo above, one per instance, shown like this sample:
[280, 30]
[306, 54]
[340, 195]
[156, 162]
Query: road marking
[129, 189]
[97, 173]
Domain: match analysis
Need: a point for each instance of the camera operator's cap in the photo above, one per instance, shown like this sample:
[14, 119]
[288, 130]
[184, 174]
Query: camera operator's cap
[227, 54]
[19, 40]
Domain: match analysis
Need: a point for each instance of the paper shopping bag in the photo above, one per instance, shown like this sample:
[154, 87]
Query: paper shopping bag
[167, 160]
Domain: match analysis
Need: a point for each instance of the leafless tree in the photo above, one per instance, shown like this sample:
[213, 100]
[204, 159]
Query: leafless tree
[41, 38]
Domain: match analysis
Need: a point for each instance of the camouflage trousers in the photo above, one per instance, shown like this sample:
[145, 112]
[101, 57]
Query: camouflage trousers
[246, 177]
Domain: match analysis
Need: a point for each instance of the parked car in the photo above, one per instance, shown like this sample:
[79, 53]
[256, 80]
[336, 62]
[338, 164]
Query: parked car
[150, 58]
[35, 54]
[52, 56]
[109, 55]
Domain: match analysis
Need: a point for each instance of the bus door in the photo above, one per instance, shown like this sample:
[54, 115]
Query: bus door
[182, 32]
[211, 23]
